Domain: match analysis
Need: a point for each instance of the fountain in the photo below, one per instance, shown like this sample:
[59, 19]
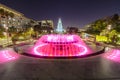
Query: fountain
[59, 45]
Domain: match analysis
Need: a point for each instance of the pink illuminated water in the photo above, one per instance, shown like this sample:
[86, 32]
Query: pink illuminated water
[60, 46]
[113, 54]
[7, 55]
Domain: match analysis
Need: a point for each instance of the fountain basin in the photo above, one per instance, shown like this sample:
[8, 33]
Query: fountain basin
[59, 45]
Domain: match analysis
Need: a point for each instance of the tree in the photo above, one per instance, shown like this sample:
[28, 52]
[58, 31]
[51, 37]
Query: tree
[1, 32]
[113, 36]
[72, 30]
[12, 30]
[2, 12]
[117, 28]
[115, 18]
[37, 28]
[97, 27]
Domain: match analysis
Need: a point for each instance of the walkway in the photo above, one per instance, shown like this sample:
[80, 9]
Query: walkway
[90, 68]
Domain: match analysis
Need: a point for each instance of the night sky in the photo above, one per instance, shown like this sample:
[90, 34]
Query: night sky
[72, 12]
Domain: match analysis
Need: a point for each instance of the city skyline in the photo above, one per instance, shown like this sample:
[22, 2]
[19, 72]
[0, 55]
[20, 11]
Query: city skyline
[76, 13]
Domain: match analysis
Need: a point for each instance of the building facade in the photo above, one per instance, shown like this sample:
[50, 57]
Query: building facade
[12, 18]
[46, 23]
[46, 26]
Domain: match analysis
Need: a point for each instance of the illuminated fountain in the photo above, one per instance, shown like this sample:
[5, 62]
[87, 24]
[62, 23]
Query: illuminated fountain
[59, 45]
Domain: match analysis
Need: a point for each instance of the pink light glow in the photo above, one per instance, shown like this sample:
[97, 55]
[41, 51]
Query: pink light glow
[7, 55]
[113, 54]
[60, 46]
[64, 52]
[84, 51]
[35, 49]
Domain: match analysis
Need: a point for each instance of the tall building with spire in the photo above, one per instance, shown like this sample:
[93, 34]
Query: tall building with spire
[59, 26]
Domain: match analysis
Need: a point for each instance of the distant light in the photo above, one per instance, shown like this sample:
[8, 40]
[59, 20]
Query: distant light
[109, 27]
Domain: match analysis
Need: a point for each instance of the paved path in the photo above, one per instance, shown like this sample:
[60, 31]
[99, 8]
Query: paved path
[30, 68]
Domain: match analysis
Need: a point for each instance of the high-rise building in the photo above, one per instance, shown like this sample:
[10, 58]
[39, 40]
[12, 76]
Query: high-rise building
[10, 17]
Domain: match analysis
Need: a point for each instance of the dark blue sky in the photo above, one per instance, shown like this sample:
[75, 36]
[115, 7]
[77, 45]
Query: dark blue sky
[73, 12]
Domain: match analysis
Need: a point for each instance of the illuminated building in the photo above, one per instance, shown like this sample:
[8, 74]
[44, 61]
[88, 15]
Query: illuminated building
[46, 26]
[46, 23]
[72, 30]
[59, 26]
[10, 17]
